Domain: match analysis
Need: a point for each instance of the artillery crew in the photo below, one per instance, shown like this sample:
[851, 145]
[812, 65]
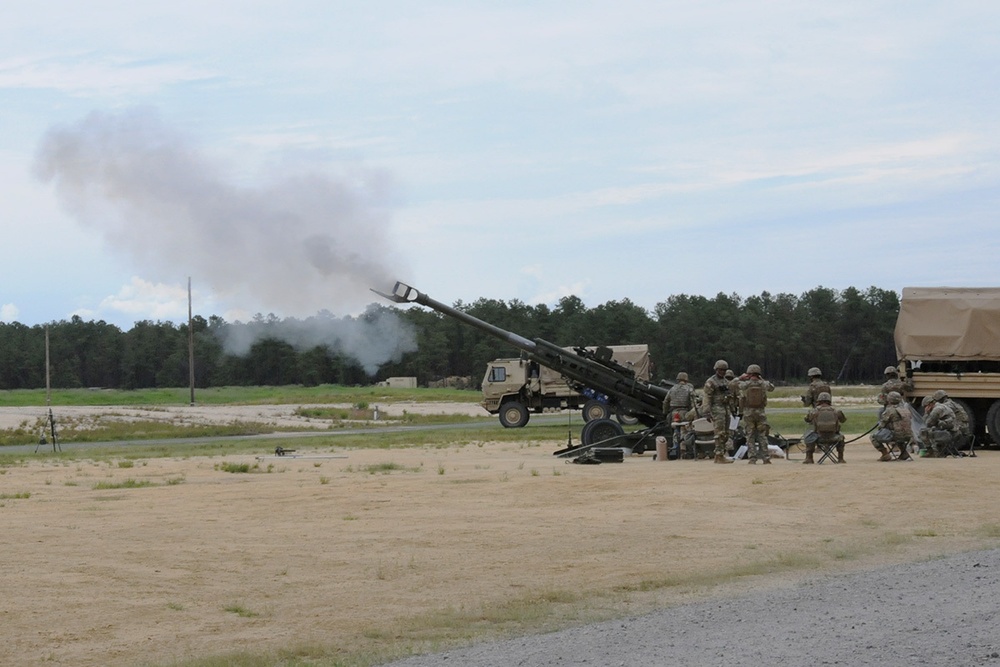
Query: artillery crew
[939, 429]
[894, 429]
[677, 405]
[753, 399]
[715, 405]
[825, 421]
[903, 386]
[817, 386]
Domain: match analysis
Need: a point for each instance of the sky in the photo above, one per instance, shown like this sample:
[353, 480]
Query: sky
[287, 157]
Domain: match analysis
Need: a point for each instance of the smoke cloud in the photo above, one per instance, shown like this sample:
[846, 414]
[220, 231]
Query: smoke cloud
[296, 245]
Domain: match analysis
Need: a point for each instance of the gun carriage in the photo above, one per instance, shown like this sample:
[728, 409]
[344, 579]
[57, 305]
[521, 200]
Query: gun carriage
[584, 369]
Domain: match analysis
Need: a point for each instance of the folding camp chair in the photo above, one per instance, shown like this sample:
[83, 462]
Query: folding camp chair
[829, 448]
[947, 443]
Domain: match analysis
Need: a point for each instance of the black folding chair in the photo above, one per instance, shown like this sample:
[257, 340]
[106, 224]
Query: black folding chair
[829, 449]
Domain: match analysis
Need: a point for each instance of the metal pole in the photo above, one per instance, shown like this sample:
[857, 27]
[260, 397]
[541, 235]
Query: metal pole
[190, 344]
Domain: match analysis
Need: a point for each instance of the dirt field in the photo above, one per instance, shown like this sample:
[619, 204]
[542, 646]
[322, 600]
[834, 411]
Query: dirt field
[381, 549]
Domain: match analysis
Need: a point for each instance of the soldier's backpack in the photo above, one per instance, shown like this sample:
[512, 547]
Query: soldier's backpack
[756, 396]
[826, 421]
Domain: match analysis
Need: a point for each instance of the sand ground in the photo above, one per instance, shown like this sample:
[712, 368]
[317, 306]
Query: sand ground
[371, 549]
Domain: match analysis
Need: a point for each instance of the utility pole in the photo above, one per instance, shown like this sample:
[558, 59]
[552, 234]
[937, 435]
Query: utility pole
[190, 344]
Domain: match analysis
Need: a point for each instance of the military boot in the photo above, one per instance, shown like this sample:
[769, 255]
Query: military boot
[721, 458]
[886, 456]
[810, 449]
[840, 454]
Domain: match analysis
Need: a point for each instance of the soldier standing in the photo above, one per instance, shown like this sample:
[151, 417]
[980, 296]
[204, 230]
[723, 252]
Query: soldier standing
[825, 421]
[715, 404]
[893, 383]
[939, 425]
[894, 429]
[817, 385]
[753, 395]
[677, 404]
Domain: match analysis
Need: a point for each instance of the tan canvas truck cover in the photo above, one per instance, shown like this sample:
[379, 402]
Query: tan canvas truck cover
[635, 357]
[948, 323]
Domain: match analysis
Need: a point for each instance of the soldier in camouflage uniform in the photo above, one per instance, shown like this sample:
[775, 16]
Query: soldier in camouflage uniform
[734, 392]
[825, 421]
[677, 404]
[961, 416]
[939, 424]
[715, 405]
[894, 383]
[753, 398]
[894, 429]
[817, 386]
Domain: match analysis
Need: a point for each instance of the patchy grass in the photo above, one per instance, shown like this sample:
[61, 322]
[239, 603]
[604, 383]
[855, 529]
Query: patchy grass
[126, 484]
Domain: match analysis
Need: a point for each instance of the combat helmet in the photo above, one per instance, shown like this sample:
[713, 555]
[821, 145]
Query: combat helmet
[815, 372]
[730, 374]
[894, 397]
[682, 376]
[753, 369]
[891, 370]
[721, 365]
[824, 397]
[927, 400]
[939, 395]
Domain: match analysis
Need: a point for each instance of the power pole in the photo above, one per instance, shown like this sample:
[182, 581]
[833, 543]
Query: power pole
[190, 343]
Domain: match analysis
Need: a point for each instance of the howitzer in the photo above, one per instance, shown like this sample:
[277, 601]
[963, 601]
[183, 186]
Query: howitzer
[581, 367]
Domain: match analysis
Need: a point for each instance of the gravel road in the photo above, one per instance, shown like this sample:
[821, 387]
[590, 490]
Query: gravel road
[942, 612]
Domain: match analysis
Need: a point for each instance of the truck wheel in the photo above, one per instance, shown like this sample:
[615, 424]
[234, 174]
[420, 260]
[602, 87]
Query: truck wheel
[594, 409]
[601, 430]
[513, 414]
[993, 422]
[625, 418]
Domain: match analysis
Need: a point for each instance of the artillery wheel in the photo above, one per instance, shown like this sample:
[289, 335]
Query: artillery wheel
[513, 414]
[599, 430]
[594, 409]
[993, 422]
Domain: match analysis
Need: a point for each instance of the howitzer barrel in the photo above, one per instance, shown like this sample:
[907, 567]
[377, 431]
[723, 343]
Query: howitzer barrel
[403, 293]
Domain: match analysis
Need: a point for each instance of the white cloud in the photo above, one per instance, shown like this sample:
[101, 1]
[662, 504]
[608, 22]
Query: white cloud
[9, 312]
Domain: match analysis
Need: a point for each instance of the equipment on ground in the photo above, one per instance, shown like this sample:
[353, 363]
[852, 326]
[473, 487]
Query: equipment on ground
[583, 368]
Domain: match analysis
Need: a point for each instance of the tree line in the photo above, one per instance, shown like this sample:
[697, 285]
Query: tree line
[847, 333]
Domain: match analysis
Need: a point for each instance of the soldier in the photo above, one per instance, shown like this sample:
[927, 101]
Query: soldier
[816, 387]
[961, 416]
[734, 392]
[825, 421]
[939, 427]
[894, 383]
[753, 399]
[715, 405]
[894, 429]
[677, 404]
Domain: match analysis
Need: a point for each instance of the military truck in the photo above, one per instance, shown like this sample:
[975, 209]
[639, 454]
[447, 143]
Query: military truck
[949, 338]
[516, 387]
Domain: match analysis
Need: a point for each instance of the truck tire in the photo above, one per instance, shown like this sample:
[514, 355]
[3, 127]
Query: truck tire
[625, 418]
[601, 430]
[513, 414]
[993, 422]
[594, 409]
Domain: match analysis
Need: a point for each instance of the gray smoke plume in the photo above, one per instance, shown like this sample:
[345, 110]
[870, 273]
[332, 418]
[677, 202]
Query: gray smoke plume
[296, 245]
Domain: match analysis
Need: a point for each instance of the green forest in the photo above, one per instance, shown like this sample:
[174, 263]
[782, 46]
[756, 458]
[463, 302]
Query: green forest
[847, 333]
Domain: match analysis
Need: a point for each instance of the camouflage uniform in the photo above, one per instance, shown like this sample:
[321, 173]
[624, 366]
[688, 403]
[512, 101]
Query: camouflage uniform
[893, 383]
[826, 416]
[677, 404]
[895, 419]
[961, 416]
[715, 404]
[939, 419]
[817, 386]
[753, 397]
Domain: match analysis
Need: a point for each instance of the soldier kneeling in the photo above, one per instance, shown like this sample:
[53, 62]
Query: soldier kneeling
[826, 421]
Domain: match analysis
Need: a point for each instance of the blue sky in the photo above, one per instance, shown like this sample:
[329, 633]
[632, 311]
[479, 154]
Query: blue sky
[285, 156]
